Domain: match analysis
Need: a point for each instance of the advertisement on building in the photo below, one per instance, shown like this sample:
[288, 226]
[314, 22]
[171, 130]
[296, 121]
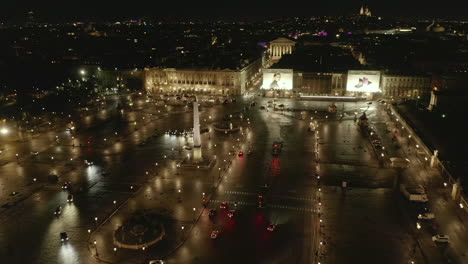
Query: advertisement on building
[277, 79]
[363, 81]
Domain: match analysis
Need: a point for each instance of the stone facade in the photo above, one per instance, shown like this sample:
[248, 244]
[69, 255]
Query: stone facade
[405, 86]
[279, 47]
[202, 81]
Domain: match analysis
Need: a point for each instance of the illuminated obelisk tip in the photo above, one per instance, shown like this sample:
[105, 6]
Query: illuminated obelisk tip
[196, 126]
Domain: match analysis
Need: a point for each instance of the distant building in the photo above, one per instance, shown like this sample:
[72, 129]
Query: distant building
[335, 84]
[202, 81]
[365, 11]
[279, 47]
[30, 20]
[405, 86]
[435, 28]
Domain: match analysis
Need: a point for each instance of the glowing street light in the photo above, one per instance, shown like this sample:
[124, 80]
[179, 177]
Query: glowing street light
[4, 131]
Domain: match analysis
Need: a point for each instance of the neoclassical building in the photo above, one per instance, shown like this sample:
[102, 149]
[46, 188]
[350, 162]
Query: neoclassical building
[280, 46]
[202, 81]
[405, 86]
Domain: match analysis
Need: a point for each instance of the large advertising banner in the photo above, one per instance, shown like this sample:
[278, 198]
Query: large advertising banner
[363, 81]
[278, 79]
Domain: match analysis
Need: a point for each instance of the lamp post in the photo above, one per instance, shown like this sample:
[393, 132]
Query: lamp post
[96, 248]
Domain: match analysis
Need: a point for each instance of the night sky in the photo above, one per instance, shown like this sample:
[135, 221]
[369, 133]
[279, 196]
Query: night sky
[54, 11]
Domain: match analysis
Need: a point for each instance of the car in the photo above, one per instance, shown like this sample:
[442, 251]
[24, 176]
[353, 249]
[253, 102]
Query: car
[271, 227]
[214, 234]
[231, 213]
[240, 154]
[275, 151]
[35, 153]
[70, 198]
[426, 216]
[66, 186]
[58, 211]
[440, 238]
[378, 146]
[158, 261]
[212, 212]
[223, 205]
[88, 163]
[63, 236]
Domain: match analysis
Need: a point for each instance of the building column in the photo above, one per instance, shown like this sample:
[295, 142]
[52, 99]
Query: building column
[433, 158]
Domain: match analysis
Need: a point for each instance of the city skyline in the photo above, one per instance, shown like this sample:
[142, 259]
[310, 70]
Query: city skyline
[242, 10]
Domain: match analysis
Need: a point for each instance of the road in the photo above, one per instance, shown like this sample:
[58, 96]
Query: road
[368, 221]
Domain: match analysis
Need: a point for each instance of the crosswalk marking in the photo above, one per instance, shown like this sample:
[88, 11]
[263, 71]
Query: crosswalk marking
[299, 198]
[274, 206]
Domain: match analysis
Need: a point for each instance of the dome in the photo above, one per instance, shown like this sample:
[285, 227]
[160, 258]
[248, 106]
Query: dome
[438, 28]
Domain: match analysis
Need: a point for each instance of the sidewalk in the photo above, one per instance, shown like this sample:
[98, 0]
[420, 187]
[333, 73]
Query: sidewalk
[450, 219]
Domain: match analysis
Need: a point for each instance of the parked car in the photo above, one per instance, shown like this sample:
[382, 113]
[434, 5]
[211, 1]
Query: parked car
[440, 238]
[426, 216]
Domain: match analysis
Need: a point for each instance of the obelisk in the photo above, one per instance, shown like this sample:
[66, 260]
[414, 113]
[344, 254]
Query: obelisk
[197, 154]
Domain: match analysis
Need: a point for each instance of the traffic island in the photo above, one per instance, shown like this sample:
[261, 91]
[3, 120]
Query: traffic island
[226, 127]
[191, 163]
[142, 229]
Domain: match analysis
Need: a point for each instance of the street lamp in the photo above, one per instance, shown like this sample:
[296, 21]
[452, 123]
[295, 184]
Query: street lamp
[4, 131]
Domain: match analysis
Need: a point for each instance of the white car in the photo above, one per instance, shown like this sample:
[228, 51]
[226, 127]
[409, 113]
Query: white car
[440, 238]
[426, 216]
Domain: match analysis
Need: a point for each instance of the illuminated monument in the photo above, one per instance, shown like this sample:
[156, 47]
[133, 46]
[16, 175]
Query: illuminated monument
[197, 154]
[365, 11]
[195, 159]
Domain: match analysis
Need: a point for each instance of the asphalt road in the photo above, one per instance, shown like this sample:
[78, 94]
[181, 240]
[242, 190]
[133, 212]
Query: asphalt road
[366, 223]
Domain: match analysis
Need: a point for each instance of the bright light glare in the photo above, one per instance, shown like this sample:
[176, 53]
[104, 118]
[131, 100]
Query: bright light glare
[4, 131]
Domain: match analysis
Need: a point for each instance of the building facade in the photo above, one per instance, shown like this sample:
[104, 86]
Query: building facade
[334, 84]
[279, 47]
[202, 81]
[405, 86]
